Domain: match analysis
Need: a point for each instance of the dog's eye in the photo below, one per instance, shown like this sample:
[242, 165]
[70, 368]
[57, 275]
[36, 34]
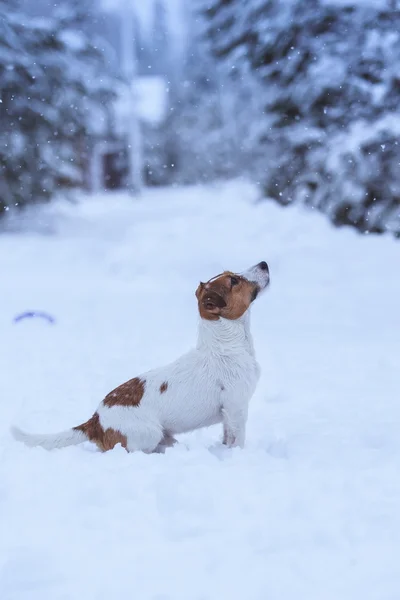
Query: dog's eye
[234, 280]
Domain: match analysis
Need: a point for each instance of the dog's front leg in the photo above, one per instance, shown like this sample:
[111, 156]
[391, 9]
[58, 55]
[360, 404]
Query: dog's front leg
[234, 420]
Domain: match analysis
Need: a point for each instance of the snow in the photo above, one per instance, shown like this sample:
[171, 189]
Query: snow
[310, 508]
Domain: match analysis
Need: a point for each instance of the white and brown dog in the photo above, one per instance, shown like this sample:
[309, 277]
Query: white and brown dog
[210, 384]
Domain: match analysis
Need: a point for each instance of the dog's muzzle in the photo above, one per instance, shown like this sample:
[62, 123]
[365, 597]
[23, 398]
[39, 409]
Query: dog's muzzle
[258, 274]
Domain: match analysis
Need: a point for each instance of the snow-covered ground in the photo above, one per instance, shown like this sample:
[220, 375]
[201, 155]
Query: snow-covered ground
[309, 510]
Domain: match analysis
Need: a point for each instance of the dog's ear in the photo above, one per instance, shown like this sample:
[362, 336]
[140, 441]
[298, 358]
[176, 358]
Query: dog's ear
[199, 289]
[213, 302]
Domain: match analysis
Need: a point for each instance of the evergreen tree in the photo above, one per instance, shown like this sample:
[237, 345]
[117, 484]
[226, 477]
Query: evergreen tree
[327, 78]
[54, 92]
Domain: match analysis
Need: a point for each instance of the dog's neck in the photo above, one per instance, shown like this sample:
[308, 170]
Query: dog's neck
[225, 336]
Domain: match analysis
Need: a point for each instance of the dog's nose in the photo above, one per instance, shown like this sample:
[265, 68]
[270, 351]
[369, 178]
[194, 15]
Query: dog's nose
[263, 266]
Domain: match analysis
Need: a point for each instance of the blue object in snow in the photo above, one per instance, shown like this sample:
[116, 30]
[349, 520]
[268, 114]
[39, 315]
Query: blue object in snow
[29, 314]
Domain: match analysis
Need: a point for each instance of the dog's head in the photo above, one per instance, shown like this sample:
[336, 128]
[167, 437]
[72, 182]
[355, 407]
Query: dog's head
[229, 295]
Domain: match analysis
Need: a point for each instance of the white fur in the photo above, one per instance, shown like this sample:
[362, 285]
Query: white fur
[257, 275]
[210, 384]
[70, 437]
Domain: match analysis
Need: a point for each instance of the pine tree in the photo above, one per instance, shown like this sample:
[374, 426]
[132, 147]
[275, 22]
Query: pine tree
[327, 77]
[54, 91]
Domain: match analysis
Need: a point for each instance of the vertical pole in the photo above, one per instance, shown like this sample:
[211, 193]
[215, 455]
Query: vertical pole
[129, 68]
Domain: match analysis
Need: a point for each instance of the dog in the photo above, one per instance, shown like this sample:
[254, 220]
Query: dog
[212, 383]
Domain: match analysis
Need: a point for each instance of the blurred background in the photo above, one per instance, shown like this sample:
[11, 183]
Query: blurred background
[300, 97]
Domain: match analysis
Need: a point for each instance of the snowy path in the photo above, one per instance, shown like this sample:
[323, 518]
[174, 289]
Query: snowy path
[309, 510]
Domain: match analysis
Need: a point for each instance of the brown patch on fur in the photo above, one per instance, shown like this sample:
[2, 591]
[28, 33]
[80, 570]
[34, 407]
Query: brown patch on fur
[219, 298]
[104, 439]
[113, 437]
[127, 394]
[92, 428]
[163, 387]
[200, 289]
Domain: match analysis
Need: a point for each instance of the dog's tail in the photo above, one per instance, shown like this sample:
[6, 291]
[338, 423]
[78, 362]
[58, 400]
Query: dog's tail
[49, 441]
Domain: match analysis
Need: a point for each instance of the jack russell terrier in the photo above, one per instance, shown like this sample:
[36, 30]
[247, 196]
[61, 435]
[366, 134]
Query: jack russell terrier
[210, 384]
